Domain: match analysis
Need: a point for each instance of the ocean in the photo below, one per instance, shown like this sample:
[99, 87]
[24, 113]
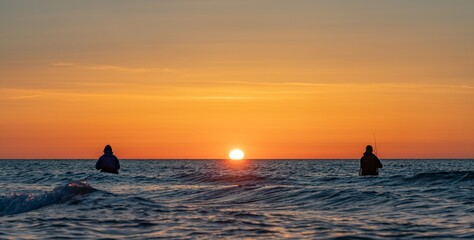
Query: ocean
[223, 199]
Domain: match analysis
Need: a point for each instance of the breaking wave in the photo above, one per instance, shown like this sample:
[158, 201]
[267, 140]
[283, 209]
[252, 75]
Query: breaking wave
[20, 203]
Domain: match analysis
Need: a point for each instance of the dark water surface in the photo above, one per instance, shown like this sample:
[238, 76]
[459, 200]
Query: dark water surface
[319, 199]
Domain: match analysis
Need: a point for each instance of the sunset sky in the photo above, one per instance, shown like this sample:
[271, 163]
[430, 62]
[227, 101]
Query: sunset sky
[277, 79]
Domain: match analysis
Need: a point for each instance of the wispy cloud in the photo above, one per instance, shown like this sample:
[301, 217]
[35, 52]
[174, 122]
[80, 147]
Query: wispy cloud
[21, 94]
[24, 94]
[356, 85]
[229, 98]
[276, 83]
[106, 67]
[27, 96]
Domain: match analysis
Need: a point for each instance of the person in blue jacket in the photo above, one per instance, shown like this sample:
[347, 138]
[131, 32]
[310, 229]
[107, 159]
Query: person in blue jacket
[108, 162]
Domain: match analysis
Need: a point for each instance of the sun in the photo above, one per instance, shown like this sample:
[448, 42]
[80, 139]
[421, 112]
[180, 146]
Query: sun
[236, 154]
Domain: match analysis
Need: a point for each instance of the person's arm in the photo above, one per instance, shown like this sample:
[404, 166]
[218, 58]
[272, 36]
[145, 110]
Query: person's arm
[98, 165]
[117, 163]
[378, 162]
[361, 169]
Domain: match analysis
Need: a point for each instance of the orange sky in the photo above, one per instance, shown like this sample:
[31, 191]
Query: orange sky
[278, 79]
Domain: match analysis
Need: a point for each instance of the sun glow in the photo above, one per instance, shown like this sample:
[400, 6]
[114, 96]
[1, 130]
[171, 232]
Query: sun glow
[236, 154]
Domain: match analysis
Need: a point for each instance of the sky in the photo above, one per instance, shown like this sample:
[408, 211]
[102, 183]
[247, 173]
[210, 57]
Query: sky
[194, 79]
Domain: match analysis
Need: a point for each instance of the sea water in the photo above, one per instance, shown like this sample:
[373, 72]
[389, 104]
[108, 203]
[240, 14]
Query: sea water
[183, 199]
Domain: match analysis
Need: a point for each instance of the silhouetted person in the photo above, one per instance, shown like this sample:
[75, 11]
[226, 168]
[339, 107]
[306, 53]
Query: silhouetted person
[108, 162]
[369, 163]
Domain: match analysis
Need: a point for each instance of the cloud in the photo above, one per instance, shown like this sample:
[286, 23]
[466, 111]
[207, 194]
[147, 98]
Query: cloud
[20, 94]
[446, 87]
[302, 84]
[229, 98]
[111, 68]
[27, 96]
[167, 70]
[24, 94]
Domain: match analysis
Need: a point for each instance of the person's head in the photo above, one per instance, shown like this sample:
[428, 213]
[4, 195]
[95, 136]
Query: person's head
[107, 149]
[369, 149]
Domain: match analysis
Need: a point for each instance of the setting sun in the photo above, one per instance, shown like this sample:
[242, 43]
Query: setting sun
[236, 154]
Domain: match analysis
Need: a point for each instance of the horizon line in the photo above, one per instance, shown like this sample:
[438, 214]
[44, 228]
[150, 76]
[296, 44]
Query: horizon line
[226, 159]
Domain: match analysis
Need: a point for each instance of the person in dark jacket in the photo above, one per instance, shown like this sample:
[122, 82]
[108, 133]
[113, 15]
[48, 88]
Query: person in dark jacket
[108, 162]
[369, 163]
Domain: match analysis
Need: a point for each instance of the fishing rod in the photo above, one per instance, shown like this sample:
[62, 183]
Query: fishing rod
[376, 152]
[375, 142]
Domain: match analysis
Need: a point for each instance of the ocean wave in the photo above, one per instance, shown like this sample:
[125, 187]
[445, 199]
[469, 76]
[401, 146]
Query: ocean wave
[20, 203]
[455, 175]
[234, 179]
[441, 177]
